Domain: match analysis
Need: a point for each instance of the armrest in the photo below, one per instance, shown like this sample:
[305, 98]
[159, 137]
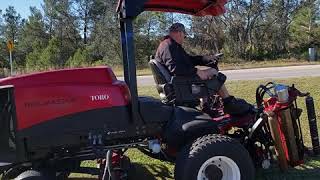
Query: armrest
[166, 93]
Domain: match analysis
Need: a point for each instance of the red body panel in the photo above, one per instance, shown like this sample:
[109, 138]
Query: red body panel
[44, 96]
[194, 7]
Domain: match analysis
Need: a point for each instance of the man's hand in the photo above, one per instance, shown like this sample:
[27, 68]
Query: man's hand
[211, 61]
[210, 58]
[202, 74]
[207, 73]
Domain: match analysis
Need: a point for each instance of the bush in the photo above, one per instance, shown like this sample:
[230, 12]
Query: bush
[79, 59]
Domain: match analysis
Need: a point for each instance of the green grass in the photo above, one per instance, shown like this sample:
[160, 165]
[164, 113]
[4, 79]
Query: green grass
[233, 65]
[147, 168]
[118, 71]
[261, 64]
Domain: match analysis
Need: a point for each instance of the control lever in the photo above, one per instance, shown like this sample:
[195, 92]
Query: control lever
[219, 55]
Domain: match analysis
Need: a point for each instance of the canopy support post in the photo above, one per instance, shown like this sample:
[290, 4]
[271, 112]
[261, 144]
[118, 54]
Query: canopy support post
[124, 52]
[129, 65]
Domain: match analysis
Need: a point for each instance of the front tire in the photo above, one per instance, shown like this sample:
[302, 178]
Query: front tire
[214, 157]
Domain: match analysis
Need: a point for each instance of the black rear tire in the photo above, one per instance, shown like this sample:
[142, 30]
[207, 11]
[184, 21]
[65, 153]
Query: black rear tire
[193, 156]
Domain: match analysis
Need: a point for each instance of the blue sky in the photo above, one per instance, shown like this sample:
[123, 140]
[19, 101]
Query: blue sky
[21, 6]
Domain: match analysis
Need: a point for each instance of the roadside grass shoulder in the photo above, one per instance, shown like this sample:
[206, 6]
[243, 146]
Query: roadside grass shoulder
[232, 65]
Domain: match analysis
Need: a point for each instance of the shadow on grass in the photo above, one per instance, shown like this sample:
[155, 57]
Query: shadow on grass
[310, 170]
[150, 172]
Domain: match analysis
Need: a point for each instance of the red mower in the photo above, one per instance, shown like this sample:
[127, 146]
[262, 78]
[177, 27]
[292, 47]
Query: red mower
[52, 121]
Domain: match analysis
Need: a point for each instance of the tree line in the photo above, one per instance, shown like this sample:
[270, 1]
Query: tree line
[75, 33]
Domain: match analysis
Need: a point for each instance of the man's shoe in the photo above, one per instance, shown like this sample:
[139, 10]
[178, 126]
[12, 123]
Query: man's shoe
[234, 106]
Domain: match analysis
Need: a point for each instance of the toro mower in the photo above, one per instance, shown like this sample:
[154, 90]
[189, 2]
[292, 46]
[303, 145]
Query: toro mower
[52, 121]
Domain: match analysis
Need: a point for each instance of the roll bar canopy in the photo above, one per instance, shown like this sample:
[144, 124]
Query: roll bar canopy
[192, 7]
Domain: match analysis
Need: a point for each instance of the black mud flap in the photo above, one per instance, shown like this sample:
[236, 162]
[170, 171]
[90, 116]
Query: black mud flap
[187, 125]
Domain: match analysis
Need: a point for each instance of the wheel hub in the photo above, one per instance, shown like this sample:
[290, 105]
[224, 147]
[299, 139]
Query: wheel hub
[219, 168]
[213, 172]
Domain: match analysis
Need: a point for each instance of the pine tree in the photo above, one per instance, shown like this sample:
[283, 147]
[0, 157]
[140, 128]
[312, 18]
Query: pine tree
[13, 27]
[3, 47]
[61, 23]
[105, 39]
[305, 27]
[34, 37]
[33, 59]
[84, 13]
[12, 23]
[50, 56]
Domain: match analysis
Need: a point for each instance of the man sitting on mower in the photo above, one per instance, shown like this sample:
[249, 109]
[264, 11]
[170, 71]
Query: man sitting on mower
[171, 54]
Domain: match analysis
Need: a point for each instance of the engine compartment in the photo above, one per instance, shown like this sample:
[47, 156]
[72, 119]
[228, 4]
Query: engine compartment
[69, 110]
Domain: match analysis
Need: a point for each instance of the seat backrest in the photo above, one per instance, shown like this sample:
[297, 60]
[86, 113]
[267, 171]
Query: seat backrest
[162, 79]
[160, 73]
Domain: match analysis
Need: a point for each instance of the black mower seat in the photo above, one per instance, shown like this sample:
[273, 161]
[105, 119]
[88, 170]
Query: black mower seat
[187, 125]
[154, 111]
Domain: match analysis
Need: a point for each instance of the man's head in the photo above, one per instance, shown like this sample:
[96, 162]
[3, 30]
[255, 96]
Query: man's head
[177, 32]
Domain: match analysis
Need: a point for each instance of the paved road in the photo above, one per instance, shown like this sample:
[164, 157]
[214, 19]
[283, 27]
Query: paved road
[258, 73]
